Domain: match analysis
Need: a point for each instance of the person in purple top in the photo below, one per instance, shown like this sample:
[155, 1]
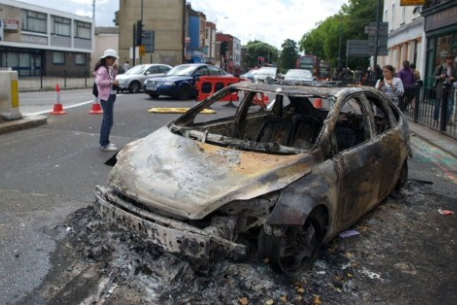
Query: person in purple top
[407, 78]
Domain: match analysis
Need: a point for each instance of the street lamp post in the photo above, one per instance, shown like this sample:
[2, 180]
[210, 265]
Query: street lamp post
[339, 44]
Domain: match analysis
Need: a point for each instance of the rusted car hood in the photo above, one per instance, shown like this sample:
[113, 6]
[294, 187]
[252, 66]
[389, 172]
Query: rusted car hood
[191, 179]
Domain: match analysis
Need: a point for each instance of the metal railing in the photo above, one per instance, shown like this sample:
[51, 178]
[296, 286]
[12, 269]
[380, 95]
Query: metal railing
[432, 107]
[45, 81]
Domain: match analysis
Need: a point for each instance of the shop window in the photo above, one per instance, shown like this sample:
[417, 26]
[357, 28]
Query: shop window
[58, 58]
[82, 29]
[61, 26]
[80, 59]
[34, 21]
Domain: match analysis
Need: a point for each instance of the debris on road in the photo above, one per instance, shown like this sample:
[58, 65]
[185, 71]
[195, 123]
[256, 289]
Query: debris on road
[445, 212]
[349, 233]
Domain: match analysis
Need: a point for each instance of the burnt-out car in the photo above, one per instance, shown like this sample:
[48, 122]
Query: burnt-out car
[285, 178]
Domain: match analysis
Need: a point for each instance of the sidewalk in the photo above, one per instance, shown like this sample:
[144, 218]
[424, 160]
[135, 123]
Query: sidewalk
[433, 137]
[20, 124]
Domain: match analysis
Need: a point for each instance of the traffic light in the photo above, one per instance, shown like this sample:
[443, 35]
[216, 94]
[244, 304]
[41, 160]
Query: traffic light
[223, 47]
[139, 33]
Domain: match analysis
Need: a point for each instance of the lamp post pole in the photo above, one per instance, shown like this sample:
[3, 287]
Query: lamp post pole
[376, 42]
[141, 57]
[339, 44]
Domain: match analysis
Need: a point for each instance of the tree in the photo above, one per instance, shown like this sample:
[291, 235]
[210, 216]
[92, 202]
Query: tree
[323, 41]
[289, 55]
[255, 49]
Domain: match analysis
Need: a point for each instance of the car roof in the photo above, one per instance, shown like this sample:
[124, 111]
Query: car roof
[317, 89]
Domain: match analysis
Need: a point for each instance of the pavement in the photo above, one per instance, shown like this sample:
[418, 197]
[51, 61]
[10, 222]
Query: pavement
[427, 134]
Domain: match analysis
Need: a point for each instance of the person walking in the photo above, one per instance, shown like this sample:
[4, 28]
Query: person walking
[407, 77]
[105, 78]
[390, 85]
[445, 76]
[125, 66]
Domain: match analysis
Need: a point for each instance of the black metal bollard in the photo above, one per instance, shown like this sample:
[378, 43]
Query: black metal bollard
[444, 102]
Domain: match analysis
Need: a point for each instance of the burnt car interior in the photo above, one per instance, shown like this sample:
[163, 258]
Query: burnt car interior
[290, 124]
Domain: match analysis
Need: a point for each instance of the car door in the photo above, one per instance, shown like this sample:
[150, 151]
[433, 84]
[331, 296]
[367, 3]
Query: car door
[354, 160]
[388, 140]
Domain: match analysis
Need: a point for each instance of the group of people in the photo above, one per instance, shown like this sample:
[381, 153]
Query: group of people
[400, 87]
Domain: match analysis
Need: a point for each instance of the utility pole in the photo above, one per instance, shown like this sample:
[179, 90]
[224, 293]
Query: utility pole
[141, 33]
[376, 42]
[339, 44]
[93, 10]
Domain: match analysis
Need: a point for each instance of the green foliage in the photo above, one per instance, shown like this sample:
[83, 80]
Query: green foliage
[256, 48]
[289, 55]
[323, 41]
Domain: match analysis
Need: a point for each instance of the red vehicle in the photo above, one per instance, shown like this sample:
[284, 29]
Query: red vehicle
[320, 69]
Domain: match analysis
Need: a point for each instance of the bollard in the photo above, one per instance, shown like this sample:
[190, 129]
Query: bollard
[9, 96]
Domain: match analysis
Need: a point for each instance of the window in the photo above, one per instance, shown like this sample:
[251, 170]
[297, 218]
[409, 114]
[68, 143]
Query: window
[164, 69]
[61, 26]
[58, 58]
[80, 59]
[34, 22]
[82, 29]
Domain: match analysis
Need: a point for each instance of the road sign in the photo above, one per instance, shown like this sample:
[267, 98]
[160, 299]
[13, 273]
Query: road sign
[383, 29]
[141, 50]
[358, 48]
[412, 2]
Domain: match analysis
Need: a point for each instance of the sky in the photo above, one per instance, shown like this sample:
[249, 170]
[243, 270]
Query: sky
[270, 21]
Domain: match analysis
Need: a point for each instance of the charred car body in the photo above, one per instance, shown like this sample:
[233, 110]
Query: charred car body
[290, 176]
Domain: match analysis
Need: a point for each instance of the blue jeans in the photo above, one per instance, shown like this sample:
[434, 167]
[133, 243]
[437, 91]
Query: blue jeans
[450, 105]
[108, 119]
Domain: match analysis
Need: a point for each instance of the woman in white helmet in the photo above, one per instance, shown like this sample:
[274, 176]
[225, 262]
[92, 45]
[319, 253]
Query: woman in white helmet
[105, 78]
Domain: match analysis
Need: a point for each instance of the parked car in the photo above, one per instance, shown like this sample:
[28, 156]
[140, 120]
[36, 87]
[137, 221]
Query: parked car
[249, 75]
[298, 77]
[180, 81]
[287, 178]
[133, 79]
[266, 72]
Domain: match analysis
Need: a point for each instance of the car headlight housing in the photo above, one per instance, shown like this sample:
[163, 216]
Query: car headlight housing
[169, 83]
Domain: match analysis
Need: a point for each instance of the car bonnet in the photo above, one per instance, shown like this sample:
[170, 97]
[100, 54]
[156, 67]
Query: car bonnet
[191, 179]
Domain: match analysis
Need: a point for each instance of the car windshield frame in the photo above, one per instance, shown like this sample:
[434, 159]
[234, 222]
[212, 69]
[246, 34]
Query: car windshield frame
[137, 70]
[182, 70]
[299, 73]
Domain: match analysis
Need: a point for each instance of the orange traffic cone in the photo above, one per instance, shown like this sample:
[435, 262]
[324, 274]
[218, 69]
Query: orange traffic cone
[317, 103]
[96, 108]
[58, 109]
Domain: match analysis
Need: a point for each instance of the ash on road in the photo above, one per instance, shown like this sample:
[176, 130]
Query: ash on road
[406, 253]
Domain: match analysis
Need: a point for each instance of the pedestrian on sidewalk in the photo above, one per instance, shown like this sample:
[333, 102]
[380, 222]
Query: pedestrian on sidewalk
[406, 75]
[445, 76]
[105, 78]
[390, 85]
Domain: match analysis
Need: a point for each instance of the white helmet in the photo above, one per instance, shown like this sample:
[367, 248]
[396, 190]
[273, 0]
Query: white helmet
[110, 53]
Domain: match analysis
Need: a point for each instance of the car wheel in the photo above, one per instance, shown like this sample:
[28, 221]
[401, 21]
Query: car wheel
[154, 96]
[134, 87]
[401, 182]
[183, 92]
[296, 248]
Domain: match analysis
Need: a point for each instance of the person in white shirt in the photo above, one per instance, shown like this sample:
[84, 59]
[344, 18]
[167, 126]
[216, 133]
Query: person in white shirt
[125, 66]
[389, 84]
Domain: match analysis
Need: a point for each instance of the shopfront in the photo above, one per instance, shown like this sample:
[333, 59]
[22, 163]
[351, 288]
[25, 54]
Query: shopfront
[441, 32]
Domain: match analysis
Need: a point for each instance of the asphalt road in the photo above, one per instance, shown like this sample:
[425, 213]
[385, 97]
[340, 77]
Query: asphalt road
[48, 172]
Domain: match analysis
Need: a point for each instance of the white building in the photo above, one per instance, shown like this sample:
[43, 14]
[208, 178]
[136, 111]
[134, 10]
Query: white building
[406, 36]
[39, 40]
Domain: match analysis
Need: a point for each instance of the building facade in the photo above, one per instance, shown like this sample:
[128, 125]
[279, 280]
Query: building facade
[166, 18]
[406, 36]
[441, 32]
[196, 48]
[230, 57]
[41, 41]
[210, 42]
